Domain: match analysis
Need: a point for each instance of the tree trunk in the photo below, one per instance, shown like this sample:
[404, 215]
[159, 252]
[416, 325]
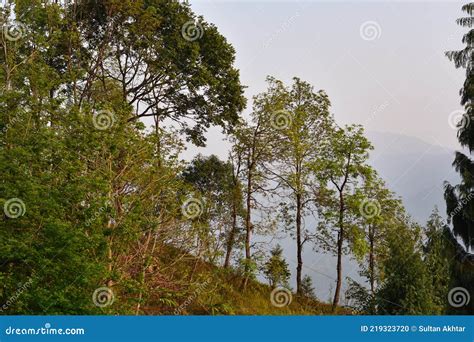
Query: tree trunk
[299, 245]
[248, 228]
[371, 260]
[231, 238]
[340, 240]
[248, 224]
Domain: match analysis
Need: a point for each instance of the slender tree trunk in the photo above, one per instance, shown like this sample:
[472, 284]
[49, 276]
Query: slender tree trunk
[248, 227]
[371, 260]
[158, 140]
[372, 267]
[340, 240]
[299, 245]
[248, 223]
[231, 238]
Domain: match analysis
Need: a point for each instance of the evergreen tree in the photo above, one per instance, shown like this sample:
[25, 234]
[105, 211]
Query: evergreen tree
[276, 268]
[459, 198]
[307, 288]
[460, 207]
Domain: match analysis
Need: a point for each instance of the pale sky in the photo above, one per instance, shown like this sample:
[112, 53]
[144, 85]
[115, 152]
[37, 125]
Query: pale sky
[398, 82]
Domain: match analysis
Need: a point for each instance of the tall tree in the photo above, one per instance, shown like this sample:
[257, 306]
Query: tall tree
[379, 207]
[380, 213]
[299, 120]
[459, 198]
[251, 145]
[235, 160]
[459, 204]
[170, 64]
[343, 167]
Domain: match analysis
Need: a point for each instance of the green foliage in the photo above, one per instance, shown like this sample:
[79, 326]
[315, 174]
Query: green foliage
[296, 123]
[247, 269]
[406, 288]
[459, 204]
[98, 191]
[276, 268]
[95, 199]
[360, 298]
[406, 277]
[341, 170]
[437, 261]
[221, 201]
[307, 288]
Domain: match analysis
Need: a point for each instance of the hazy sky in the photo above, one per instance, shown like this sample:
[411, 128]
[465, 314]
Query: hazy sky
[381, 63]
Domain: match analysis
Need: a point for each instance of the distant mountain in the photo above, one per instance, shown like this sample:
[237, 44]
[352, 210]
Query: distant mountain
[414, 169]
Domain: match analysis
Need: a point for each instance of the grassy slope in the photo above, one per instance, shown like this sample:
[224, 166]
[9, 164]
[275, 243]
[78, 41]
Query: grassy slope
[218, 291]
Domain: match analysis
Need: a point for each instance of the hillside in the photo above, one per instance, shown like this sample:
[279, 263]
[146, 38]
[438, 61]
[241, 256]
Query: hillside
[218, 291]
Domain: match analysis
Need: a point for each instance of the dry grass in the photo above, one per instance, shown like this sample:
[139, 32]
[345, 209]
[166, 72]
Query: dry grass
[217, 291]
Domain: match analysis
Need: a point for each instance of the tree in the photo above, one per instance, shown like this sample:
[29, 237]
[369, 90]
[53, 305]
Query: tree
[251, 148]
[407, 287]
[220, 191]
[460, 208]
[299, 121]
[276, 268]
[235, 161]
[380, 212]
[100, 191]
[169, 63]
[461, 274]
[307, 288]
[436, 260]
[343, 165]
[459, 204]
